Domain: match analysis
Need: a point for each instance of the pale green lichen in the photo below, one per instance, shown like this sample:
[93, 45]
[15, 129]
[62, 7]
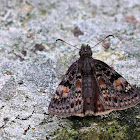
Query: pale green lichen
[119, 125]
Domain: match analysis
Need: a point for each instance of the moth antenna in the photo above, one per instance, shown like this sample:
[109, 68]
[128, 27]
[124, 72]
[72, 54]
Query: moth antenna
[66, 43]
[104, 39]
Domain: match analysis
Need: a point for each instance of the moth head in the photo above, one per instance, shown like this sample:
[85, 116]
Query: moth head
[85, 51]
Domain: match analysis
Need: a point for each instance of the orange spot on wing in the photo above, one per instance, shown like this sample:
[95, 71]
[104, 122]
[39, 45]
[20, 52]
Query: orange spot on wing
[65, 92]
[99, 106]
[102, 82]
[78, 84]
[119, 83]
[98, 103]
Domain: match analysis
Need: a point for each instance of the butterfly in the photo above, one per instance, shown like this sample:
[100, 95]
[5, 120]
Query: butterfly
[90, 86]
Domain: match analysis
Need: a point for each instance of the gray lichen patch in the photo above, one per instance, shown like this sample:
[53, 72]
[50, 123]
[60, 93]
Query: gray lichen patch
[8, 89]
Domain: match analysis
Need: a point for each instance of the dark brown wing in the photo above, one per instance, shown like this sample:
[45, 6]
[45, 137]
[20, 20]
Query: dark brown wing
[115, 91]
[67, 100]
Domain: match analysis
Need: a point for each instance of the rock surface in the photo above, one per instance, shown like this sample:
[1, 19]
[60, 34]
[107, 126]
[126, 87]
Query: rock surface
[32, 64]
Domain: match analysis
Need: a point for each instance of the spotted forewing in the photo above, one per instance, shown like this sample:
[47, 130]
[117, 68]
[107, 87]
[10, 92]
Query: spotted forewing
[90, 86]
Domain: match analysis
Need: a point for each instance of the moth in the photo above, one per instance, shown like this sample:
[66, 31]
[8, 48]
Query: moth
[90, 86]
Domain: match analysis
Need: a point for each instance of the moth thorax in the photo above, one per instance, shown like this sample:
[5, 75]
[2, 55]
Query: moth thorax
[86, 67]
